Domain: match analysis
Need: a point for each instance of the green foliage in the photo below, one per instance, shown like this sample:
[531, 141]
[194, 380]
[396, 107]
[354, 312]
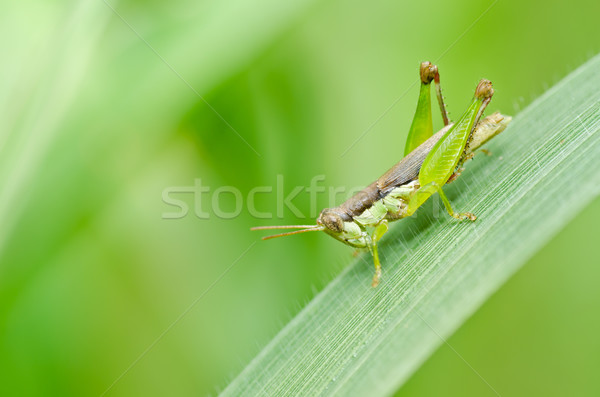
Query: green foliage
[355, 340]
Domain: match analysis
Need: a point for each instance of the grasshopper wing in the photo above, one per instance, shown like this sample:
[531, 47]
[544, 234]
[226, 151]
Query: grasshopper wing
[407, 170]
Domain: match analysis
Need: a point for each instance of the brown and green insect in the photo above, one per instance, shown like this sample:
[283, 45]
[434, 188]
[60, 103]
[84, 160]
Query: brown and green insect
[430, 162]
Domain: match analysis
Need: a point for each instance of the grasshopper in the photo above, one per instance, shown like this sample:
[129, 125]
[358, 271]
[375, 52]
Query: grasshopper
[430, 162]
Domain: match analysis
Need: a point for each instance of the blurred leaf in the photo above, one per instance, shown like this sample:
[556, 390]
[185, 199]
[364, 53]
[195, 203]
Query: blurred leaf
[355, 340]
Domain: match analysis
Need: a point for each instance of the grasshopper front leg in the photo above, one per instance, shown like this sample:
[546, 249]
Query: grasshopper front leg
[379, 231]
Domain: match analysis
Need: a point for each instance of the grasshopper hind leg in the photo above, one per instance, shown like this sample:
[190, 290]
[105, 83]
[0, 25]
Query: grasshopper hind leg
[421, 128]
[429, 72]
[440, 97]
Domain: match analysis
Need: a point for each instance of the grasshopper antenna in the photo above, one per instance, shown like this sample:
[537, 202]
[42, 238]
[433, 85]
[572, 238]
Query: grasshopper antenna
[284, 227]
[305, 228]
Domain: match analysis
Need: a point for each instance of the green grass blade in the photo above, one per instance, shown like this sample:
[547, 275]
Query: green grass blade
[355, 340]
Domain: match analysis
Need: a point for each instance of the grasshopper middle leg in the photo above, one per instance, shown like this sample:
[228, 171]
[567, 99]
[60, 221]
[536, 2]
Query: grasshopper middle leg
[424, 192]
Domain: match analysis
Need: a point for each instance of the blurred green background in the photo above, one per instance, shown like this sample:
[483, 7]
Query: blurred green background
[105, 104]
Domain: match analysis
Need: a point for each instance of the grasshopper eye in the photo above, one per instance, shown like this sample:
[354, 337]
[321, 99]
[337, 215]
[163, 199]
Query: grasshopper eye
[331, 220]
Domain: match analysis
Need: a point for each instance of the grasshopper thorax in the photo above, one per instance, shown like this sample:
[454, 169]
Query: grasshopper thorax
[330, 219]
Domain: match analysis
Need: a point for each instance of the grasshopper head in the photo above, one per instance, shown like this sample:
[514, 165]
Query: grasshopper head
[331, 220]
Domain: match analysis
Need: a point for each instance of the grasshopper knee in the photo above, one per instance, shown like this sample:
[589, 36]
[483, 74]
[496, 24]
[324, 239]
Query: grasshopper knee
[428, 72]
[484, 89]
